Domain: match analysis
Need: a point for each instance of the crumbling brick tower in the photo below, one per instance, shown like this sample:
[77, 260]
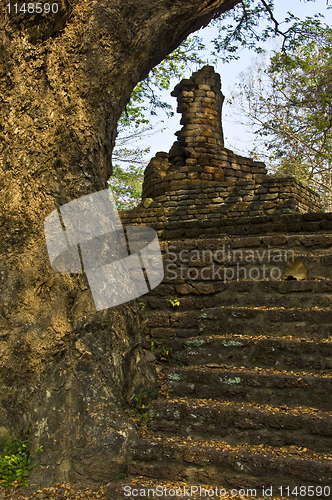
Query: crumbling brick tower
[198, 158]
[201, 139]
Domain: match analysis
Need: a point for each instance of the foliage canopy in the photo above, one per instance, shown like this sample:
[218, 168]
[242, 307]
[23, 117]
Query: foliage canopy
[288, 101]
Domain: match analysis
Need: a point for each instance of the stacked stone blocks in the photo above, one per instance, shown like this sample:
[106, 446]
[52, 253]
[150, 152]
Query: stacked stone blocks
[162, 175]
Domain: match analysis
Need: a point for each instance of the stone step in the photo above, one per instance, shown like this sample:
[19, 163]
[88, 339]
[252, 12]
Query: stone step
[206, 228]
[172, 327]
[245, 293]
[217, 463]
[172, 226]
[264, 352]
[258, 386]
[316, 266]
[268, 321]
[236, 423]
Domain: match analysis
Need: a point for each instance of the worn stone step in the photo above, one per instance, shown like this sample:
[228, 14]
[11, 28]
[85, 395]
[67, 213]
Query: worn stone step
[259, 386]
[243, 466]
[236, 423]
[223, 259]
[267, 321]
[244, 293]
[264, 352]
[204, 224]
[175, 337]
[172, 327]
[253, 270]
[300, 242]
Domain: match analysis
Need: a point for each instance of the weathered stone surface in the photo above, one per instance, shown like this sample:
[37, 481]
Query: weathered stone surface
[227, 466]
[257, 356]
[254, 424]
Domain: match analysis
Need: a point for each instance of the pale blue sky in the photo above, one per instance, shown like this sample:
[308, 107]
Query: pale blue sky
[236, 136]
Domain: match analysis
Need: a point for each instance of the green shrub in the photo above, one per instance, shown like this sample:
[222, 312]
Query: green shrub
[120, 477]
[15, 462]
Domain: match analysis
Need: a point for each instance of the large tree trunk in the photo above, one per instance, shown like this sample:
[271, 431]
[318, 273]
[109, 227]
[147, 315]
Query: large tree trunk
[65, 369]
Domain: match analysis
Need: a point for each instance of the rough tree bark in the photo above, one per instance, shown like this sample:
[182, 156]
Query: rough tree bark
[65, 369]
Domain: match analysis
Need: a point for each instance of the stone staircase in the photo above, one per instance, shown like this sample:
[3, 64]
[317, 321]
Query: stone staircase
[246, 399]
[246, 402]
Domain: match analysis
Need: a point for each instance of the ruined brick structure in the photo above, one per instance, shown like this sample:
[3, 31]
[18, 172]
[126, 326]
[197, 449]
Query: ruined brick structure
[246, 400]
[198, 159]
